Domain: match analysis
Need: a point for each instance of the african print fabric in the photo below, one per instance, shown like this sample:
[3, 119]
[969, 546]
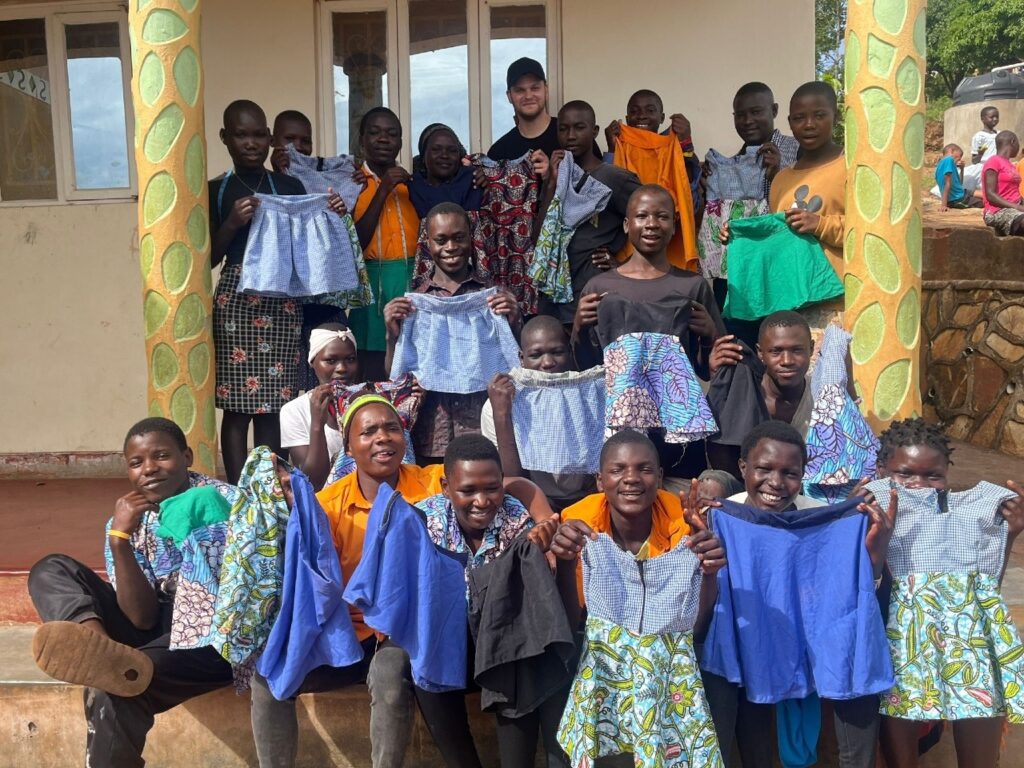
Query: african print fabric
[578, 196]
[650, 384]
[507, 213]
[256, 347]
[955, 649]
[712, 251]
[249, 591]
[841, 447]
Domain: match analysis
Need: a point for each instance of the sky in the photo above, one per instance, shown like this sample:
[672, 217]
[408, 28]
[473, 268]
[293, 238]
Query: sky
[440, 89]
[98, 123]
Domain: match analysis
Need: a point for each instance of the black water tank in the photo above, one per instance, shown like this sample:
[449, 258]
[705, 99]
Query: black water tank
[992, 85]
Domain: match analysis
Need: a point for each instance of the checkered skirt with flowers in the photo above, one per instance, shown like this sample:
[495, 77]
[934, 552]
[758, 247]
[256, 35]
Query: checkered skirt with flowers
[256, 341]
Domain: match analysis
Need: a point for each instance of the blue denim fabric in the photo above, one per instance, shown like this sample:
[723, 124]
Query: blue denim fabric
[454, 344]
[559, 420]
[297, 247]
[317, 174]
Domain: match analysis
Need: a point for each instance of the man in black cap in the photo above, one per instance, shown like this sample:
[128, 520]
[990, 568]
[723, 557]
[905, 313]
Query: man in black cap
[535, 128]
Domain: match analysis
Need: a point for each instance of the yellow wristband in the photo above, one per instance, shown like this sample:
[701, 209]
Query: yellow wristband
[119, 534]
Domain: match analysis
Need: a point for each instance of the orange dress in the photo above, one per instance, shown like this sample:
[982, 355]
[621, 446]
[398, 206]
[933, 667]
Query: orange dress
[657, 159]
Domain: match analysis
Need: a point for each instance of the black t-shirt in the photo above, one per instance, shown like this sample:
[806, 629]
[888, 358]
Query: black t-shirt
[514, 145]
[234, 189]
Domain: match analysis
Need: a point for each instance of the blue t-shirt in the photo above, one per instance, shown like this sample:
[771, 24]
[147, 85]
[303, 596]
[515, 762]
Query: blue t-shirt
[947, 165]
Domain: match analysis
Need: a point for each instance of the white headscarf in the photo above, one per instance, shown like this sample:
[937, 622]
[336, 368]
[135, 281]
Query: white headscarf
[319, 338]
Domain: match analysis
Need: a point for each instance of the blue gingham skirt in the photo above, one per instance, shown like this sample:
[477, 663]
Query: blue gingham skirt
[559, 420]
[297, 247]
[454, 344]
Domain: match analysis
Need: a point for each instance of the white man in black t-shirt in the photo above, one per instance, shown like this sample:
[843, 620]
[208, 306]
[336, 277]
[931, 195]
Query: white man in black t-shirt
[535, 128]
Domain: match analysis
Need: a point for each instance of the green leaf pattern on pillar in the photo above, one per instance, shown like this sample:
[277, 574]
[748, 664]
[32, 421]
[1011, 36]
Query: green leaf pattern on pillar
[885, 151]
[170, 152]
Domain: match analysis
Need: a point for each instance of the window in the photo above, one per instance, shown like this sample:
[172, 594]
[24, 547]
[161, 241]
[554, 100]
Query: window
[429, 61]
[64, 107]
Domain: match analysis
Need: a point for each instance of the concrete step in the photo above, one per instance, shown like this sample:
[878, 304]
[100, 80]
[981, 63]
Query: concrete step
[41, 724]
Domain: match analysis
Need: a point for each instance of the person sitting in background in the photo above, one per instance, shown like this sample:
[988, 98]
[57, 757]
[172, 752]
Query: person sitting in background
[947, 177]
[1004, 210]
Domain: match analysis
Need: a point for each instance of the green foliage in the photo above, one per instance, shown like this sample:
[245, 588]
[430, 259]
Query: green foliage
[829, 31]
[972, 36]
[936, 106]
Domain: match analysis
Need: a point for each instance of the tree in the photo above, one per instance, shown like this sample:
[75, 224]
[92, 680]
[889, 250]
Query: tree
[829, 31]
[972, 36]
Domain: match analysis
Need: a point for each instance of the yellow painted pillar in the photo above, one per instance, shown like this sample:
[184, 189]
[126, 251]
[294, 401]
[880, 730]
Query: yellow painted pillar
[174, 229]
[885, 52]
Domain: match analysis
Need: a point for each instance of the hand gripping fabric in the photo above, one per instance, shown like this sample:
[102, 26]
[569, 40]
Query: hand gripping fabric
[717, 214]
[313, 627]
[577, 197]
[639, 692]
[772, 268]
[796, 611]
[318, 174]
[954, 645]
[841, 448]
[524, 644]
[651, 385]
[558, 419]
[297, 247]
[413, 591]
[454, 344]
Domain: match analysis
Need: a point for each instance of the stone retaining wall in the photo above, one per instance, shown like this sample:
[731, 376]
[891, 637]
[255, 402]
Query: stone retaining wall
[973, 326]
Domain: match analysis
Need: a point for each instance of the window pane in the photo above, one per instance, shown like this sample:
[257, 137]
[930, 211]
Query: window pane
[27, 167]
[516, 31]
[438, 66]
[360, 72]
[96, 94]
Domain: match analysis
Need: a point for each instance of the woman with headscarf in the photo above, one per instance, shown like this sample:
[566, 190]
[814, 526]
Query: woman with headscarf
[438, 175]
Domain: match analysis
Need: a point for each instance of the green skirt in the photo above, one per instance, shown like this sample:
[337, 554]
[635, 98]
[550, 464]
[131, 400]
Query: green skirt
[389, 280]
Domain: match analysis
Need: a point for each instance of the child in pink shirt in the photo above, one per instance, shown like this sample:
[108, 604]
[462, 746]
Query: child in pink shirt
[1001, 187]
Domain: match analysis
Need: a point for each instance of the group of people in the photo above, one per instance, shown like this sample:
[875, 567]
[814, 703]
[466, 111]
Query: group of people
[578, 431]
[991, 182]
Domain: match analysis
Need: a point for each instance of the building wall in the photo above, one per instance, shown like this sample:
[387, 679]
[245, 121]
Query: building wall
[74, 371]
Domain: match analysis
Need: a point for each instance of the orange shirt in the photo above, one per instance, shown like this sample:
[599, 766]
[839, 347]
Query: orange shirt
[667, 524]
[658, 159]
[348, 511]
[398, 228]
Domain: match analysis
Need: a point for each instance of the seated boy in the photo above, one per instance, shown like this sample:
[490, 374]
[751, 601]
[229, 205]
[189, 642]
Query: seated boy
[947, 177]
[544, 347]
[594, 244]
[114, 637]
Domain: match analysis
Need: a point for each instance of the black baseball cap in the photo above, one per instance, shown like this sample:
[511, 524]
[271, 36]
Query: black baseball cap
[524, 66]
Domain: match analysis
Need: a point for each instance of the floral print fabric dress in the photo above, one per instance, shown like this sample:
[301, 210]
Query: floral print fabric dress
[955, 649]
[650, 384]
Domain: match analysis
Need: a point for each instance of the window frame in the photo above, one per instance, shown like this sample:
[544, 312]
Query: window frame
[56, 19]
[478, 20]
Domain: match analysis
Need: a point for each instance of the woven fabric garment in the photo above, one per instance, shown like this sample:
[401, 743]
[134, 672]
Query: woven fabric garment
[714, 254]
[507, 212]
[297, 247]
[735, 177]
[578, 196]
[841, 447]
[559, 419]
[796, 611]
[650, 384]
[772, 268]
[413, 591]
[455, 344]
[318, 174]
[313, 627]
[954, 645]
